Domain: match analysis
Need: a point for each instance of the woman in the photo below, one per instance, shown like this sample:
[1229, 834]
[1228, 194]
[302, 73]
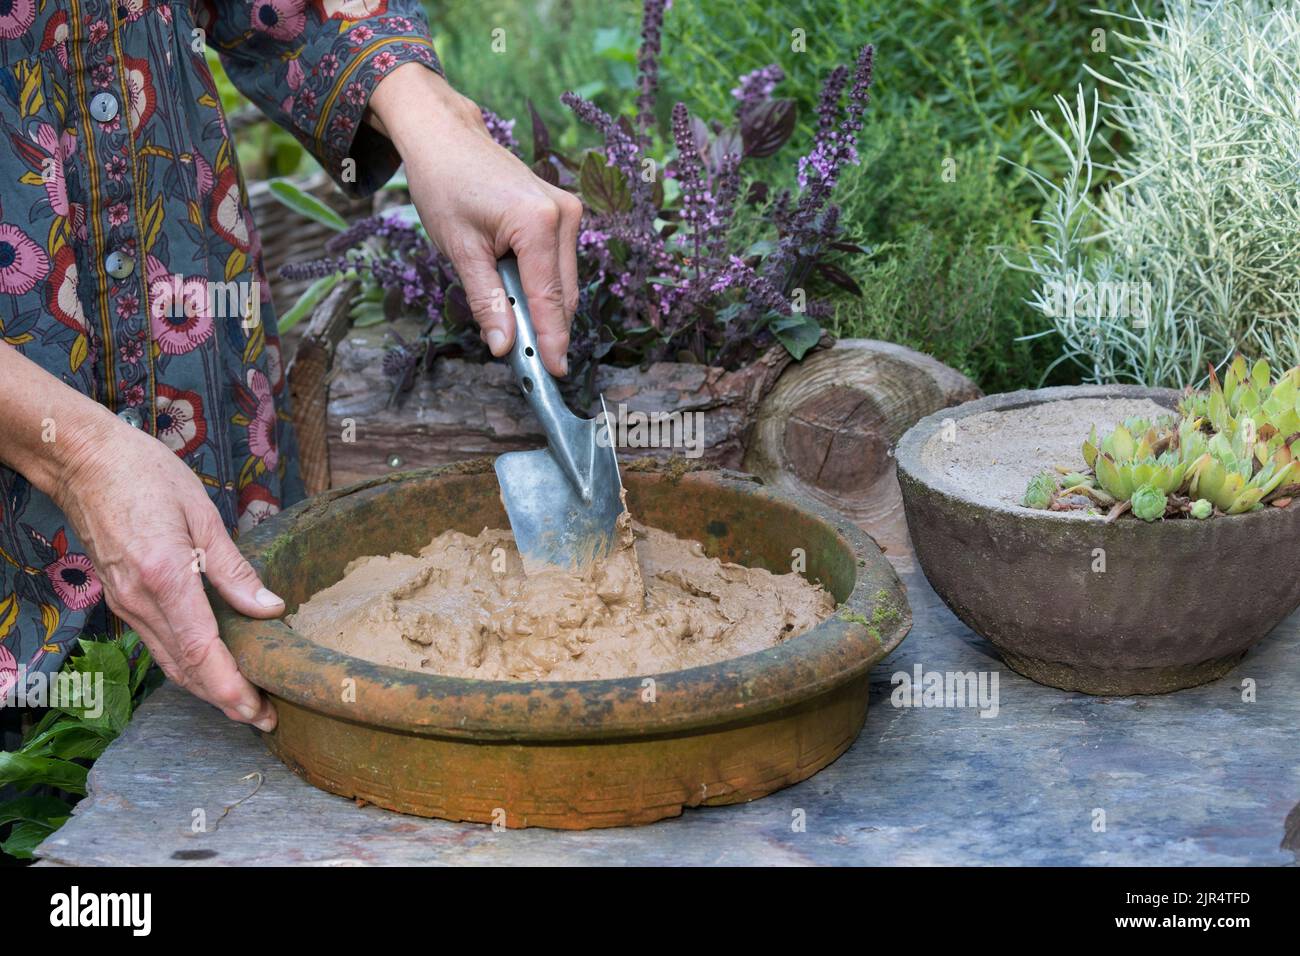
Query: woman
[143, 418]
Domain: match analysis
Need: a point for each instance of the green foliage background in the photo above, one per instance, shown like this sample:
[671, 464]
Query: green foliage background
[956, 81]
[955, 84]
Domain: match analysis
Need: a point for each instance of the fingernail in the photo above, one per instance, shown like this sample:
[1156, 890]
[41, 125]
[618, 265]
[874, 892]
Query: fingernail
[496, 340]
[248, 711]
[267, 599]
[265, 725]
[564, 365]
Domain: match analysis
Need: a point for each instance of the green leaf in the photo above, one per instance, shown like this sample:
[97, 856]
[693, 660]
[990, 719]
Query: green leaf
[109, 705]
[288, 155]
[1259, 375]
[798, 336]
[80, 742]
[306, 204]
[143, 661]
[312, 296]
[67, 738]
[26, 837]
[367, 314]
[614, 43]
[624, 75]
[35, 809]
[45, 723]
[604, 188]
[24, 772]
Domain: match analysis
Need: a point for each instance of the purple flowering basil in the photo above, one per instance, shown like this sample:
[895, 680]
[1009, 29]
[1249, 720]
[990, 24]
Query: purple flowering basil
[804, 223]
[621, 150]
[633, 228]
[647, 61]
[398, 258]
[501, 130]
[754, 89]
[657, 280]
[697, 201]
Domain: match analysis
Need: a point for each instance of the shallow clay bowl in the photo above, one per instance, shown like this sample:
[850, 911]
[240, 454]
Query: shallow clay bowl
[1179, 603]
[567, 754]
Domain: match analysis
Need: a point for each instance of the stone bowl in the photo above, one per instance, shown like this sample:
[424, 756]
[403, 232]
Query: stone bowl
[1178, 604]
[572, 754]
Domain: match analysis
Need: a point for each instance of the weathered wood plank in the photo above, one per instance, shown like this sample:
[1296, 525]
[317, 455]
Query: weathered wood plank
[468, 410]
[824, 427]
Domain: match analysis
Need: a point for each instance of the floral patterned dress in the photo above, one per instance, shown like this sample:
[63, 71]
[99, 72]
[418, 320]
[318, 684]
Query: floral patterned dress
[129, 265]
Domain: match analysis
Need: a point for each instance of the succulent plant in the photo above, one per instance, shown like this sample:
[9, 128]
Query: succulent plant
[1041, 491]
[1230, 478]
[1231, 449]
[1264, 414]
[1138, 453]
[1077, 495]
[1149, 503]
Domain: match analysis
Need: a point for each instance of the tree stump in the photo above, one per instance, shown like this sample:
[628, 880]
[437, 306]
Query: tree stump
[828, 427]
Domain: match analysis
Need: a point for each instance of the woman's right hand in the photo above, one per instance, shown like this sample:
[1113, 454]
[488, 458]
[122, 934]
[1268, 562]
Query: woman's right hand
[149, 527]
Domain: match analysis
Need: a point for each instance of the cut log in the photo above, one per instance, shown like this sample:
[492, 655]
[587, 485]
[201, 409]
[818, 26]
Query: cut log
[467, 409]
[828, 427]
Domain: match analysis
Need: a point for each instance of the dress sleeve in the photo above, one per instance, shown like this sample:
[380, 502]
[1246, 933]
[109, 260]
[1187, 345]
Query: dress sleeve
[313, 71]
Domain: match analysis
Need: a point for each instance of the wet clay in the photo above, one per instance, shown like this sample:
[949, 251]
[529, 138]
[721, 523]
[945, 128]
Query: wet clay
[464, 607]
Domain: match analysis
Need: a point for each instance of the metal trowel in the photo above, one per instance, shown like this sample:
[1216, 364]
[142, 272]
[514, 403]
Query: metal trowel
[563, 500]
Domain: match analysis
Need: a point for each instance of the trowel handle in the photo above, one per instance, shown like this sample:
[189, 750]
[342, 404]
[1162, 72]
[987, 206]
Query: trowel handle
[525, 359]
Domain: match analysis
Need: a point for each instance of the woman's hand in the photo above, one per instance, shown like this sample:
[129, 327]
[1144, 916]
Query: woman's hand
[478, 202]
[151, 531]
[147, 525]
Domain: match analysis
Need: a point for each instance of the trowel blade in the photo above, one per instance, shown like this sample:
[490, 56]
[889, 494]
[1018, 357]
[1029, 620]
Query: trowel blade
[552, 524]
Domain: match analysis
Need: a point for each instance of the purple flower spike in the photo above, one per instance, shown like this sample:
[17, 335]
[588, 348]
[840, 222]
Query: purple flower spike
[755, 89]
[502, 130]
[647, 62]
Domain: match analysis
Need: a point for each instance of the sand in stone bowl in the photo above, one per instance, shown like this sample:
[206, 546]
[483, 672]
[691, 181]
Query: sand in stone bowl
[996, 453]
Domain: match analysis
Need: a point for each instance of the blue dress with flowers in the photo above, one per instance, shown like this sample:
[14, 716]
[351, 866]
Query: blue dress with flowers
[129, 265]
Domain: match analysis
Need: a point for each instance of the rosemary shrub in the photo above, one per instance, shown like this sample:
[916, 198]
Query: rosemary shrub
[1190, 256]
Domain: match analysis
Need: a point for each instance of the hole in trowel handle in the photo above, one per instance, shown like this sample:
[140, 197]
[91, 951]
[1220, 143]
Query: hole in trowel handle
[528, 350]
[528, 385]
